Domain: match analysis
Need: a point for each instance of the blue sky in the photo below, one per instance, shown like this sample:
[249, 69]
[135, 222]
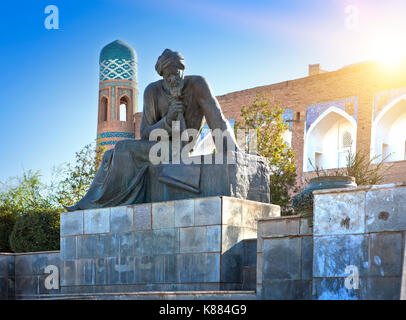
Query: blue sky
[49, 81]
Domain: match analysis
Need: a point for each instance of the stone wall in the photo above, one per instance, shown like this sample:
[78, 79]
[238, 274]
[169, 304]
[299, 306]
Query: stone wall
[284, 259]
[355, 249]
[403, 288]
[7, 276]
[23, 274]
[249, 264]
[362, 229]
[194, 244]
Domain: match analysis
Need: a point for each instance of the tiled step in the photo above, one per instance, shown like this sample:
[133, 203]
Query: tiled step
[157, 295]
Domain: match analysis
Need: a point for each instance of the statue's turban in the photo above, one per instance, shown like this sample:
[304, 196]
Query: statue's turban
[167, 58]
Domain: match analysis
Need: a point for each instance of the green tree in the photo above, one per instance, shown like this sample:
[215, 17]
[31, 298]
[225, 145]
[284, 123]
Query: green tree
[74, 179]
[25, 193]
[264, 115]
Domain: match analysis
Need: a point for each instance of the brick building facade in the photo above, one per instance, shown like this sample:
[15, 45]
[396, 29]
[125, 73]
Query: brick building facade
[364, 94]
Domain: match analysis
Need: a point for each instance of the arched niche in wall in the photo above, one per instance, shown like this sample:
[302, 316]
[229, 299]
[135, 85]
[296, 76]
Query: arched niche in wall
[104, 109]
[329, 139]
[124, 109]
[388, 133]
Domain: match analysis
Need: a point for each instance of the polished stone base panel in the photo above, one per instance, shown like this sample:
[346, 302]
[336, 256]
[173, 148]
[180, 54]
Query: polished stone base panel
[195, 244]
[366, 227]
[284, 258]
[7, 276]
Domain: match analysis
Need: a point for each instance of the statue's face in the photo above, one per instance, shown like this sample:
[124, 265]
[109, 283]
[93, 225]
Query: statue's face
[173, 76]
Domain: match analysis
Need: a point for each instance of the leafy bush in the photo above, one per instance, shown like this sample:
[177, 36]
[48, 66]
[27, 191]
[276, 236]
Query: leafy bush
[365, 170]
[18, 195]
[36, 231]
[360, 166]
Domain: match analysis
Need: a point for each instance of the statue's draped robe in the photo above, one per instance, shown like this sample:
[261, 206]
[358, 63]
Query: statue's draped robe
[121, 178]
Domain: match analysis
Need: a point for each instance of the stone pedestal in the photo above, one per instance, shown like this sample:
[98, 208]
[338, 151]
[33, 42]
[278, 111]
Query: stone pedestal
[239, 175]
[195, 244]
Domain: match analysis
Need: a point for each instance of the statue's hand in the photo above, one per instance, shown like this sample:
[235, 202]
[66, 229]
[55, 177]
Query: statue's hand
[175, 108]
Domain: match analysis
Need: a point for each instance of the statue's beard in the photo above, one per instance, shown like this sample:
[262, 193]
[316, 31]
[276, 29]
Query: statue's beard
[175, 87]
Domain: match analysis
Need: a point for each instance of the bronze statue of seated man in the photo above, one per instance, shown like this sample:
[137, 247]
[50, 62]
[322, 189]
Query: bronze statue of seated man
[121, 177]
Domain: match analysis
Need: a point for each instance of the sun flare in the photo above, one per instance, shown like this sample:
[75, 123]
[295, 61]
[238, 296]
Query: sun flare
[389, 51]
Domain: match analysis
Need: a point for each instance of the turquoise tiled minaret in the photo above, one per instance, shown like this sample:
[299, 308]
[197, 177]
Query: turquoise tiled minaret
[118, 61]
[118, 86]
